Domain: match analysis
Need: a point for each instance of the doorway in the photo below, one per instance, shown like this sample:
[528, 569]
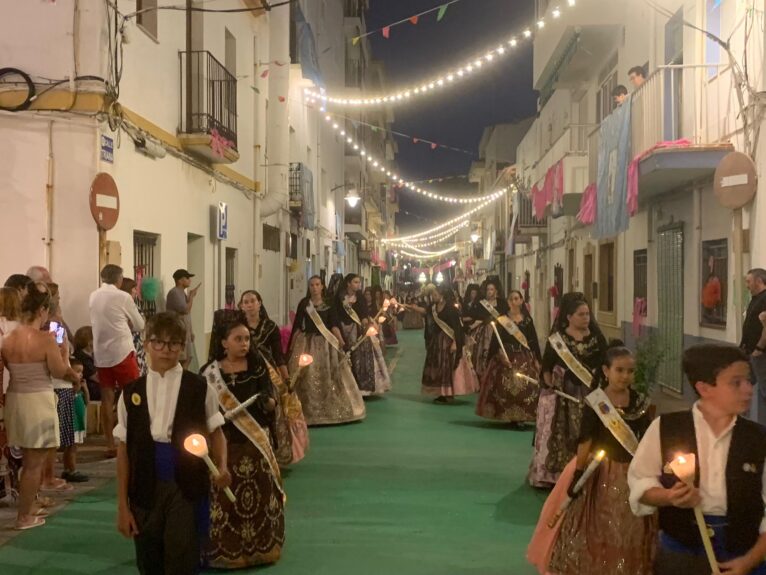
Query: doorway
[670, 305]
[195, 263]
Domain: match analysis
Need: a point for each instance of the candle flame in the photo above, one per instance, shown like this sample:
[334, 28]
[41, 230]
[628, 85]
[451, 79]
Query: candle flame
[381, 319]
[681, 460]
[386, 303]
[305, 359]
[196, 445]
[393, 301]
[371, 331]
[601, 454]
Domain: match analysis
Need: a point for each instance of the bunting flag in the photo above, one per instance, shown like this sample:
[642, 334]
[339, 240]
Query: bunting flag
[265, 73]
[440, 10]
[434, 146]
[281, 98]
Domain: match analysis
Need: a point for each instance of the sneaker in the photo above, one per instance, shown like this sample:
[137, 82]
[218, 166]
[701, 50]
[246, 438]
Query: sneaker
[74, 477]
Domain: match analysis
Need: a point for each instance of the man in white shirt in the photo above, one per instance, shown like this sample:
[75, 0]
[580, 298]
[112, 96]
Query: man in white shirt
[112, 313]
[729, 483]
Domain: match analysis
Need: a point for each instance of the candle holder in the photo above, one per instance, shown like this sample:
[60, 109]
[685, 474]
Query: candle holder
[526, 378]
[304, 360]
[684, 466]
[197, 446]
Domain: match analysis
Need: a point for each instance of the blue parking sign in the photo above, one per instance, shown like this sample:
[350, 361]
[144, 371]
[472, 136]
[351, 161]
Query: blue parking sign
[223, 221]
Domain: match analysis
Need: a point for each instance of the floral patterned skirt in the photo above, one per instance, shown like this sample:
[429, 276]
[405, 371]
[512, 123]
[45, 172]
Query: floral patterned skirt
[250, 531]
[506, 397]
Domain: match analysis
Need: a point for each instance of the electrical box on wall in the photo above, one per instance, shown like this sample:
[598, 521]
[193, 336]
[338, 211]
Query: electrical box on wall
[114, 253]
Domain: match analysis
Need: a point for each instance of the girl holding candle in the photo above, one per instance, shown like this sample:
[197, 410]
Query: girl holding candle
[265, 340]
[491, 304]
[725, 455]
[599, 535]
[352, 321]
[240, 372]
[509, 389]
[573, 355]
[326, 388]
[443, 373]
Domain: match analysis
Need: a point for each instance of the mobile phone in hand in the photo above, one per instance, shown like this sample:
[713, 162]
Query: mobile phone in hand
[58, 329]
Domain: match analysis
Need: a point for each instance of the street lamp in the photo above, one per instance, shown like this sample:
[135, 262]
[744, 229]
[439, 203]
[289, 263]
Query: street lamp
[422, 277]
[439, 278]
[352, 198]
[475, 237]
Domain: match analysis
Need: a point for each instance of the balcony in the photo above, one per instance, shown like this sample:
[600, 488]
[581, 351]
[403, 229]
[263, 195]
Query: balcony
[355, 222]
[302, 195]
[208, 123]
[681, 102]
[527, 225]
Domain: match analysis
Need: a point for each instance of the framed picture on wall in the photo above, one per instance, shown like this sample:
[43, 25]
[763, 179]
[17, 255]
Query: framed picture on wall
[714, 283]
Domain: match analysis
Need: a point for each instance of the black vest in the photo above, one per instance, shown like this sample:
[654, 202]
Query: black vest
[744, 469]
[191, 472]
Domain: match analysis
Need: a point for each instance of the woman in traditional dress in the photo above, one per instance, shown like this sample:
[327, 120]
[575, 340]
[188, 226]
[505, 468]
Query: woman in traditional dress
[510, 386]
[326, 388]
[573, 355]
[443, 374]
[491, 305]
[599, 535]
[391, 314]
[251, 530]
[291, 429]
[352, 323]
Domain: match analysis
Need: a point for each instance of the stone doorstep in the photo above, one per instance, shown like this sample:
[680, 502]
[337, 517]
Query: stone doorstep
[90, 461]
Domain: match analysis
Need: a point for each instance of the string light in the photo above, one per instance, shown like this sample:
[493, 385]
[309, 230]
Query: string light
[440, 227]
[397, 180]
[424, 257]
[434, 239]
[449, 77]
[421, 253]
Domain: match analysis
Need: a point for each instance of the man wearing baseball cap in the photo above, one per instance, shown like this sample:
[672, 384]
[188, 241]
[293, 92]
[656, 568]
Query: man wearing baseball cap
[181, 303]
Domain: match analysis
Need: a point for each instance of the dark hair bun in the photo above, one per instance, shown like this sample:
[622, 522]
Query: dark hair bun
[614, 342]
[35, 300]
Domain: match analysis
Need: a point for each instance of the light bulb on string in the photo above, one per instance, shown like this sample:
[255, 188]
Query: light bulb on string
[439, 80]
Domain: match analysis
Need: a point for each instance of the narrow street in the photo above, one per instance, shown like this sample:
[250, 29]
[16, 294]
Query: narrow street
[416, 488]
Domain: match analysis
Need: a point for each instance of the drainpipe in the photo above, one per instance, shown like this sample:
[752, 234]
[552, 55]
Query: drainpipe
[49, 203]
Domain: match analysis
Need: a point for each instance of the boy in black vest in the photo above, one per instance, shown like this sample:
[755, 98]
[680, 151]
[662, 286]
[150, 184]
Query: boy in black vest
[162, 489]
[729, 475]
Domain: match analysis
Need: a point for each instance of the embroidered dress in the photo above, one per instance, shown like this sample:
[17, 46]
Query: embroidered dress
[504, 396]
[367, 361]
[484, 334]
[598, 535]
[250, 531]
[327, 389]
[443, 374]
[558, 419]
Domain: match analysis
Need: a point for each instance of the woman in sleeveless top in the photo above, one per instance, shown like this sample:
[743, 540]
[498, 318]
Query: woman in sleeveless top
[32, 357]
[326, 388]
[10, 311]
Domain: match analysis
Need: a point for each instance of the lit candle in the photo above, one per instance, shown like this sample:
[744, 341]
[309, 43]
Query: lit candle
[566, 395]
[595, 462]
[500, 342]
[304, 360]
[232, 413]
[197, 446]
[526, 378]
[683, 466]
[371, 332]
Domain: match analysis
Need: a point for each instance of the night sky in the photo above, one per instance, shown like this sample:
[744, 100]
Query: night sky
[457, 115]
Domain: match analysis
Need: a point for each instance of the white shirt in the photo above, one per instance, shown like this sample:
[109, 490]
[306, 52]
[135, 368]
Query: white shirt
[713, 454]
[110, 311]
[162, 397]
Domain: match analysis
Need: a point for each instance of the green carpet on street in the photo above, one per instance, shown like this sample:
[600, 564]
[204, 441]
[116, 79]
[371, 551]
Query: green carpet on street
[415, 489]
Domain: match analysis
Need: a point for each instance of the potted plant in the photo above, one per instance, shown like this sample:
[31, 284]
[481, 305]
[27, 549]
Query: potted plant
[649, 354]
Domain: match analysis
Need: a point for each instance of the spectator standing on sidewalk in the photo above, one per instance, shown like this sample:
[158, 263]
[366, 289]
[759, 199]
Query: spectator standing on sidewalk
[181, 303]
[112, 313]
[753, 341]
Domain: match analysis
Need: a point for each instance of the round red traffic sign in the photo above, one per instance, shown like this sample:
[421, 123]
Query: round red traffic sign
[104, 201]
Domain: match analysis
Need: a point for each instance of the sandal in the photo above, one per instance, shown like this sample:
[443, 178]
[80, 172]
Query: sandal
[58, 485]
[44, 501]
[40, 512]
[29, 523]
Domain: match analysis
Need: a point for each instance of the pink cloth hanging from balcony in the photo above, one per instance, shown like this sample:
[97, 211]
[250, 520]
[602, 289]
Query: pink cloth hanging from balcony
[538, 202]
[588, 205]
[633, 170]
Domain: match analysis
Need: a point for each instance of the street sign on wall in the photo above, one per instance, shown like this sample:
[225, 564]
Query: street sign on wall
[222, 228]
[104, 201]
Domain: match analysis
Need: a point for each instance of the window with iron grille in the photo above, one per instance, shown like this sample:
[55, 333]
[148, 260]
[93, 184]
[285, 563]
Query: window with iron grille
[147, 17]
[640, 276]
[271, 238]
[604, 99]
[145, 265]
[231, 277]
[292, 246]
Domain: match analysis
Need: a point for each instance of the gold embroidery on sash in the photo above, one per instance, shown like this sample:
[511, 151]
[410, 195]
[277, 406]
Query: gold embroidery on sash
[612, 420]
[326, 333]
[440, 322]
[570, 360]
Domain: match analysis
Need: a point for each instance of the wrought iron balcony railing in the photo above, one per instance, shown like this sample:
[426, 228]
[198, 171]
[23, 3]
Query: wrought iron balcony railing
[208, 97]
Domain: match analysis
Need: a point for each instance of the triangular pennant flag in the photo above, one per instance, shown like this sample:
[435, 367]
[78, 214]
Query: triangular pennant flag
[433, 146]
[355, 40]
[414, 19]
[265, 73]
[386, 31]
[442, 11]
[415, 140]
[281, 98]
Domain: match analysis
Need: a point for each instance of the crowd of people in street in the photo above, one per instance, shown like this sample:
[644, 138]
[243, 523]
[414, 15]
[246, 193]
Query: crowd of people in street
[617, 505]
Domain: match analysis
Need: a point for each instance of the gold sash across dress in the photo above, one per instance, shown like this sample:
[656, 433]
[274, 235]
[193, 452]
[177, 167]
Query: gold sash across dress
[508, 324]
[440, 322]
[612, 420]
[563, 351]
[351, 313]
[326, 333]
[244, 421]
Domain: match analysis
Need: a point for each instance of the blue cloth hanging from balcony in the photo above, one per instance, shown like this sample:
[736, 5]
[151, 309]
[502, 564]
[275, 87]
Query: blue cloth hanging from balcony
[614, 155]
[307, 51]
